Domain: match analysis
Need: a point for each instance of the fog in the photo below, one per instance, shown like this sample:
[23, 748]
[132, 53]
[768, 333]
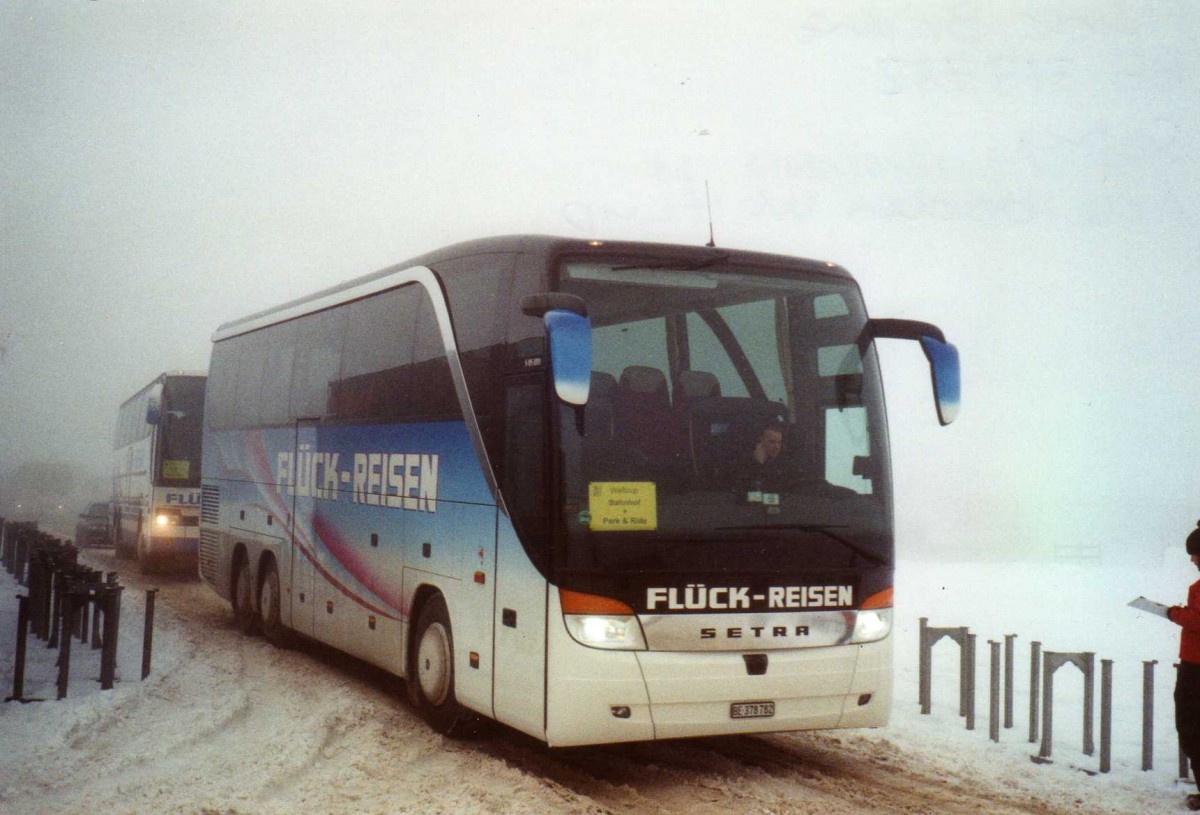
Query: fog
[1022, 174]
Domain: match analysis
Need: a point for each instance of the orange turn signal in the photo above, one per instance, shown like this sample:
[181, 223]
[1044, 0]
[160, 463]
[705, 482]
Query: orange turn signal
[576, 602]
[882, 599]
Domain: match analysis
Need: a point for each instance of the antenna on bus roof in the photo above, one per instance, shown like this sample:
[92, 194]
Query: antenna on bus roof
[711, 240]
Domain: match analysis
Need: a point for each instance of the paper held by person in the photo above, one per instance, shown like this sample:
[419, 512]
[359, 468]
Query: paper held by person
[1142, 604]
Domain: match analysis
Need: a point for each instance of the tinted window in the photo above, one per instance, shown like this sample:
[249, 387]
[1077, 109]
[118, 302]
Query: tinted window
[279, 354]
[433, 386]
[377, 355]
[252, 352]
[478, 287]
[180, 431]
[222, 384]
[318, 358]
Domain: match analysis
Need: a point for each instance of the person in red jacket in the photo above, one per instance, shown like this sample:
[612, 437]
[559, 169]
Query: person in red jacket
[1187, 682]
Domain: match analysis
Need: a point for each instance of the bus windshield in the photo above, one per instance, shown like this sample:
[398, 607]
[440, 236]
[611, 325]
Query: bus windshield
[733, 424]
[181, 431]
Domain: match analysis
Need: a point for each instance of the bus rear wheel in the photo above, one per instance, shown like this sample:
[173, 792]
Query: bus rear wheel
[245, 616]
[430, 679]
[269, 620]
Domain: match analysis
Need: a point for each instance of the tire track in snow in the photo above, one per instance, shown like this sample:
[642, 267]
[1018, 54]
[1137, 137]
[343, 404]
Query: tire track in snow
[291, 731]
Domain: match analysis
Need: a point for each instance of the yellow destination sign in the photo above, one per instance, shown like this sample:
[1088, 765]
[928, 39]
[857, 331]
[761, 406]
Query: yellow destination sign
[622, 506]
[176, 468]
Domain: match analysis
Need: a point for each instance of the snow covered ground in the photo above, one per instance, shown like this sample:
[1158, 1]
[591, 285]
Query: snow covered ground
[227, 725]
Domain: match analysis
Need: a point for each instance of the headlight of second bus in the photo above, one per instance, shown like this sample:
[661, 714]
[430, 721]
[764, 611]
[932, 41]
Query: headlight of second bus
[601, 622]
[168, 517]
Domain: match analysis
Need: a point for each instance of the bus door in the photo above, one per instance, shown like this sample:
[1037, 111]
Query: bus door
[520, 604]
[302, 550]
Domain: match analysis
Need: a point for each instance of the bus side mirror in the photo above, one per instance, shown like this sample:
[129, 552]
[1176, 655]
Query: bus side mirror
[944, 370]
[942, 356]
[570, 354]
[154, 405]
[570, 331]
[536, 305]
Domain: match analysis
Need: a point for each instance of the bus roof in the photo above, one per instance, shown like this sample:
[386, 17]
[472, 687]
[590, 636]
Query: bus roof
[162, 378]
[547, 245]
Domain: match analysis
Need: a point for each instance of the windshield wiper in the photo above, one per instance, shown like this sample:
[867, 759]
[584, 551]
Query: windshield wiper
[825, 529]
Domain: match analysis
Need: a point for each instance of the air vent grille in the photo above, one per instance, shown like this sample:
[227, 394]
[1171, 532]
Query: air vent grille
[210, 505]
[210, 548]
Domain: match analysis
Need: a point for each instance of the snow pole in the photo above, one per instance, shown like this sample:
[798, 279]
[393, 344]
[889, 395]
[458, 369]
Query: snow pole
[1148, 714]
[112, 618]
[39, 598]
[21, 555]
[994, 706]
[68, 607]
[18, 693]
[148, 633]
[1047, 713]
[1089, 703]
[1008, 679]
[968, 682]
[1106, 715]
[925, 662]
[96, 614]
[1035, 673]
[54, 581]
[81, 620]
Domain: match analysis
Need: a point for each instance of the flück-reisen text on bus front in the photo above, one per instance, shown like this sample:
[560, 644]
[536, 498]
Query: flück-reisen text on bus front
[697, 596]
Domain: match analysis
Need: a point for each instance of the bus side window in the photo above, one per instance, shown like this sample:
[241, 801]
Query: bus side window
[433, 390]
[251, 365]
[376, 374]
[317, 360]
[846, 438]
[222, 385]
[277, 376]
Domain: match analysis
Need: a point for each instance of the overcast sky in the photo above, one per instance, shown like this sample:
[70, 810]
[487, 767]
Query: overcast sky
[1023, 174]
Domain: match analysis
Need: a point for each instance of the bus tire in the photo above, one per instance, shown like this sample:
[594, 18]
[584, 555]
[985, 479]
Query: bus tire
[146, 561]
[114, 534]
[430, 681]
[124, 551]
[245, 616]
[270, 622]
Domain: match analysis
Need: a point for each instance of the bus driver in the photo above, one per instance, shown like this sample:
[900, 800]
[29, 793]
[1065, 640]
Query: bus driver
[764, 470]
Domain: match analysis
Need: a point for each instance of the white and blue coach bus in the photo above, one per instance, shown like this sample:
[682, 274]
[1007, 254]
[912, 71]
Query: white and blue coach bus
[156, 471]
[597, 491]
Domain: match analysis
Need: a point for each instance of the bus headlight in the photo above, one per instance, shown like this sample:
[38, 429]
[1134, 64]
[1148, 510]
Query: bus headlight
[871, 625]
[168, 517]
[614, 633]
[601, 622]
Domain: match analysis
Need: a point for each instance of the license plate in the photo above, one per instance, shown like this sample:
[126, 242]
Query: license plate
[752, 710]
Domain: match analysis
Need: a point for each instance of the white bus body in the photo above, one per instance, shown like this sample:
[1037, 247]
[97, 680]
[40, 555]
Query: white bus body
[156, 471]
[518, 472]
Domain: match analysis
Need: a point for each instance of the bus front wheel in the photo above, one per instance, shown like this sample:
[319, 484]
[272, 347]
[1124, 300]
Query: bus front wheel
[123, 550]
[146, 560]
[430, 679]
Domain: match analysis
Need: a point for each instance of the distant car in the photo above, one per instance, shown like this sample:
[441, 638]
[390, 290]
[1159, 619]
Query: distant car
[91, 529]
